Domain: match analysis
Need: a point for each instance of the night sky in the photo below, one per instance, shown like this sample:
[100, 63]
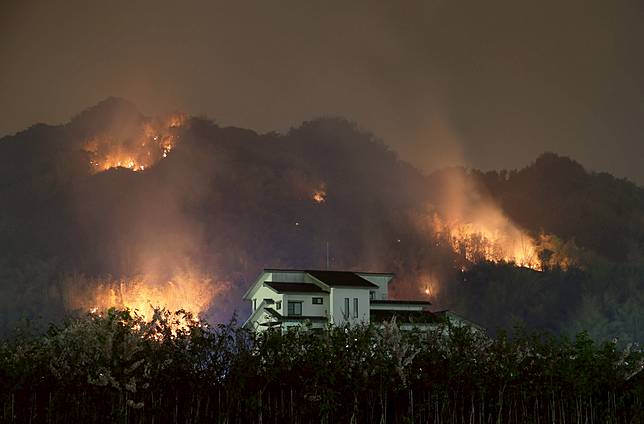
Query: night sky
[488, 84]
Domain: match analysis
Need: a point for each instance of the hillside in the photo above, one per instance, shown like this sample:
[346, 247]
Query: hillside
[118, 208]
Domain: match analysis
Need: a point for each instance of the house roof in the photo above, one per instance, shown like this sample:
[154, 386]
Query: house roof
[391, 274]
[340, 279]
[281, 287]
[273, 313]
[405, 317]
[329, 278]
[401, 302]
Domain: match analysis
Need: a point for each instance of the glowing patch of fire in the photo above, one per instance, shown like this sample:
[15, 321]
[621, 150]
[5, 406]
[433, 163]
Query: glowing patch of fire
[192, 294]
[319, 194]
[138, 148]
[478, 241]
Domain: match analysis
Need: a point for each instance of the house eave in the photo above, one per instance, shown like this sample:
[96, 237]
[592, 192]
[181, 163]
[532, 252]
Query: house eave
[254, 286]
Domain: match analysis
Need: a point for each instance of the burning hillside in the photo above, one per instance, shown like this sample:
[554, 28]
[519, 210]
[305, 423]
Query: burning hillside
[191, 293]
[136, 147]
[474, 226]
[489, 236]
[226, 205]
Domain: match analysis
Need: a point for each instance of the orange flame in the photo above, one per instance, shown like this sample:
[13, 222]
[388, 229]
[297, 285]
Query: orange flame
[146, 144]
[190, 293]
[319, 194]
[490, 237]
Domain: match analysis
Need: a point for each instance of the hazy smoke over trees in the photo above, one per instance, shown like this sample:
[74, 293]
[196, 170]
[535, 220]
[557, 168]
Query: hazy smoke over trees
[217, 205]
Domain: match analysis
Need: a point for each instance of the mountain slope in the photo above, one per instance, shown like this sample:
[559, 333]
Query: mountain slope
[117, 208]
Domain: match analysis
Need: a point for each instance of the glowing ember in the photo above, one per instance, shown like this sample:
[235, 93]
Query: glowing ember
[429, 286]
[135, 148]
[319, 194]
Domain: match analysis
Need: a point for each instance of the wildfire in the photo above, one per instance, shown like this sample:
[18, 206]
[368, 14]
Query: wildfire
[429, 286]
[142, 295]
[136, 148]
[319, 194]
[490, 237]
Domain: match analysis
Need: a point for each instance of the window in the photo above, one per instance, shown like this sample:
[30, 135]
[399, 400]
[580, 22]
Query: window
[346, 308]
[254, 304]
[372, 295]
[318, 301]
[278, 305]
[355, 307]
[295, 308]
[269, 301]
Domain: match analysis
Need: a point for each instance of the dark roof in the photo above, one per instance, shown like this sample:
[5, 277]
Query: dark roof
[282, 270]
[341, 279]
[401, 302]
[405, 317]
[304, 270]
[294, 287]
[273, 312]
[376, 273]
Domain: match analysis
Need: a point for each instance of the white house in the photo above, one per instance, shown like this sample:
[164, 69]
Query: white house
[286, 298]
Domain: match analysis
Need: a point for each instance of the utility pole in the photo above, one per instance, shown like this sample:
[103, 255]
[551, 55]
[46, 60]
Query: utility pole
[327, 255]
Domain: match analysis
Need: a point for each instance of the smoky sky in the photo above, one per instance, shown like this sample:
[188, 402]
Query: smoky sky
[487, 84]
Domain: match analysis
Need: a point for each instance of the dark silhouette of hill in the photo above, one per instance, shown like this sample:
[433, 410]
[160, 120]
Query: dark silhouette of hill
[557, 195]
[228, 202]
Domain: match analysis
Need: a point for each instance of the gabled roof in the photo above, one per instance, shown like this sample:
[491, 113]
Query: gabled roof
[294, 287]
[254, 286]
[261, 308]
[328, 278]
[340, 279]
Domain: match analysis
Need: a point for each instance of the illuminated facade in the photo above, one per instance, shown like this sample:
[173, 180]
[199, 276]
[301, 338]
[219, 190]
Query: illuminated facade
[291, 298]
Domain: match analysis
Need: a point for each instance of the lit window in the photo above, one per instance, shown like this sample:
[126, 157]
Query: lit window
[317, 301]
[355, 307]
[278, 305]
[295, 308]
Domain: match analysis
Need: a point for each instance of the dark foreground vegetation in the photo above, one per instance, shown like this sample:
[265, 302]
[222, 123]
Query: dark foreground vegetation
[118, 368]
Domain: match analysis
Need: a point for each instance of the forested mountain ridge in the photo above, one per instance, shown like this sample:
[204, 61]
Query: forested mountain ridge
[115, 199]
[557, 195]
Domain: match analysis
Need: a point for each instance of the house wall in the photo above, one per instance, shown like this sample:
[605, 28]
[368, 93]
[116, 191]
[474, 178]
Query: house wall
[266, 293]
[308, 308]
[382, 281]
[337, 305]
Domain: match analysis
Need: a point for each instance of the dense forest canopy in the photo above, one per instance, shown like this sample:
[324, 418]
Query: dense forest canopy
[118, 209]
